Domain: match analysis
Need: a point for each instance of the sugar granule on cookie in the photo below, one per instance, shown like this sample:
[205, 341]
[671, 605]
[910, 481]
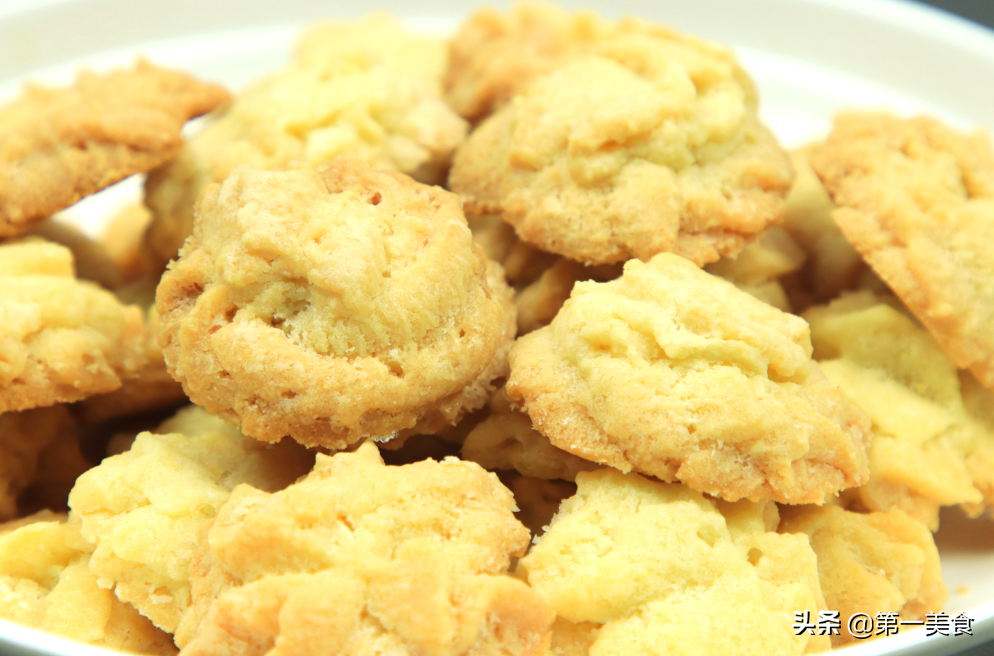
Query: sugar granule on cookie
[367, 88]
[678, 374]
[665, 570]
[61, 339]
[46, 583]
[59, 145]
[650, 143]
[363, 558]
[871, 563]
[143, 509]
[334, 304]
[925, 436]
[917, 201]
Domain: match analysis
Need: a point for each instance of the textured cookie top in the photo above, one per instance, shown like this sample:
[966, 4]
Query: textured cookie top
[658, 564]
[360, 557]
[871, 563]
[334, 304]
[45, 583]
[144, 508]
[495, 55]
[369, 89]
[61, 339]
[918, 204]
[649, 144]
[58, 145]
[933, 451]
[678, 374]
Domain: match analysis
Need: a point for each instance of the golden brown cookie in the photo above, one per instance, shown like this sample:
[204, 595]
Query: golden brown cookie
[659, 566]
[61, 339]
[333, 305]
[917, 202]
[871, 563]
[650, 144]
[39, 453]
[925, 436]
[46, 583]
[506, 440]
[143, 509]
[368, 88]
[59, 145]
[494, 56]
[362, 558]
[678, 374]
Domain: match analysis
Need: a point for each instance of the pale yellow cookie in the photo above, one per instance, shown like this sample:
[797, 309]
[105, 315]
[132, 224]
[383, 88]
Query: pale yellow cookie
[917, 202]
[45, 583]
[678, 374]
[650, 143]
[362, 558]
[61, 339]
[659, 566]
[143, 509]
[332, 305]
[367, 88]
[871, 563]
[59, 145]
[924, 435]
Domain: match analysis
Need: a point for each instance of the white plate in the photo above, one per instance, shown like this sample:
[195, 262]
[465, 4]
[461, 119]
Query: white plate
[809, 57]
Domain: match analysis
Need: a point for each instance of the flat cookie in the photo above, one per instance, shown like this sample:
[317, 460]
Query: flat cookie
[650, 144]
[917, 202]
[871, 563]
[678, 374]
[59, 145]
[61, 339]
[369, 89]
[925, 436]
[143, 509]
[45, 583]
[659, 566]
[333, 305]
[363, 558]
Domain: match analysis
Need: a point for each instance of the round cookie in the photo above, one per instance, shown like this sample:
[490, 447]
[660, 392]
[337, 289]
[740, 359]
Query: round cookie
[678, 374]
[332, 305]
[651, 143]
[917, 202]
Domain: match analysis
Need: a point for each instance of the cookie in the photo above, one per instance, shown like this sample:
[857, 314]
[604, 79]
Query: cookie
[678, 374]
[59, 145]
[142, 510]
[494, 56]
[538, 502]
[871, 563]
[539, 302]
[760, 266]
[61, 339]
[505, 440]
[652, 143]
[39, 459]
[359, 557]
[924, 433]
[45, 583]
[332, 305]
[368, 88]
[658, 566]
[917, 201]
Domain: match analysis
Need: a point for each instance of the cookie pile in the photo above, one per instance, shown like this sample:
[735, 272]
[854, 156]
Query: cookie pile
[531, 342]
